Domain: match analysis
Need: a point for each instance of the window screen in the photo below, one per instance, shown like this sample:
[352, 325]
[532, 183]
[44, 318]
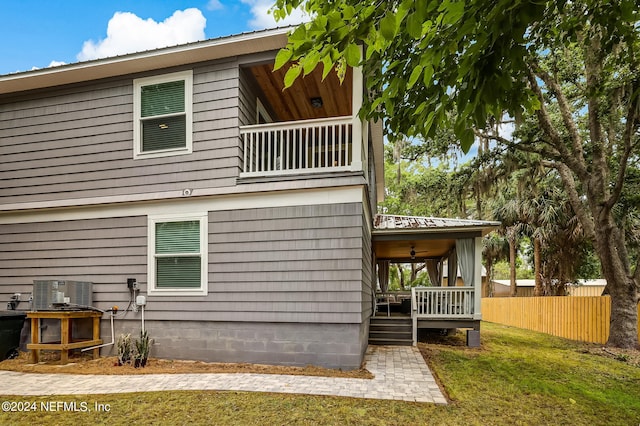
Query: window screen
[178, 259]
[163, 117]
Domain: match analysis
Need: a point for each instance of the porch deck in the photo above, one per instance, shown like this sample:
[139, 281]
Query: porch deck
[430, 307]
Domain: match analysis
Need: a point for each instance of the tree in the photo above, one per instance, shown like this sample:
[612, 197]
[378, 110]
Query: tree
[494, 248]
[487, 59]
[414, 188]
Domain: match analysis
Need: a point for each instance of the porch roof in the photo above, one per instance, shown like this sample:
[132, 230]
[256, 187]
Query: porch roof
[396, 237]
[389, 222]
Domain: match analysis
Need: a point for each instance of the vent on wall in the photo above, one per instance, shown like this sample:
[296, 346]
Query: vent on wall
[50, 295]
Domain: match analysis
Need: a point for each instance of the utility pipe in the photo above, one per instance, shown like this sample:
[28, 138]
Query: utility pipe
[112, 335]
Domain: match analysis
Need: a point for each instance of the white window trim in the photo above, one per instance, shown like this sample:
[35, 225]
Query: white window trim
[187, 76]
[261, 110]
[203, 217]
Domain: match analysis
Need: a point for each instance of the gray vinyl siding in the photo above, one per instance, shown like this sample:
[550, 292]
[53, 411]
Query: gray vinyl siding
[287, 285]
[77, 142]
[247, 100]
[288, 264]
[103, 251]
[250, 92]
[368, 280]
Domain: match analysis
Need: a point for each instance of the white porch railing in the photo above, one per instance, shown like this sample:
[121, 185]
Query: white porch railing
[442, 302]
[297, 147]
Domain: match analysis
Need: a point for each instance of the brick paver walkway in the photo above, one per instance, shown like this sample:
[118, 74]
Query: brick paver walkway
[400, 373]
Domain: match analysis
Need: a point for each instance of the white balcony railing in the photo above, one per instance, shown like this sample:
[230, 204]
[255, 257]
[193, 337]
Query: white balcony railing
[297, 147]
[442, 302]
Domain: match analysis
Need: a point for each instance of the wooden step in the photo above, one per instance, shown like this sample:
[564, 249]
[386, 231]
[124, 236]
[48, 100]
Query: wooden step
[391, 331]
[385, 327]
[390, 335]
[391, 342]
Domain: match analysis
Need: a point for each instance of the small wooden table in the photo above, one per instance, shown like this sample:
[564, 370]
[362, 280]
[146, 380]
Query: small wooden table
[66, 339]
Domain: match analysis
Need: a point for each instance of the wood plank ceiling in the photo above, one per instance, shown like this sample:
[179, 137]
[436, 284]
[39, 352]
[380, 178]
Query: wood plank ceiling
[401, 249]
[294, 103]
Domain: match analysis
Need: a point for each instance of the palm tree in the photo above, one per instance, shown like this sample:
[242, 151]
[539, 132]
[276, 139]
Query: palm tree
[494, 248]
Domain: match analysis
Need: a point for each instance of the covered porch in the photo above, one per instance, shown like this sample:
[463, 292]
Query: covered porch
[453, 298]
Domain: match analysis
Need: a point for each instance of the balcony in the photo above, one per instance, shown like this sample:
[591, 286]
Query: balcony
[300, 147]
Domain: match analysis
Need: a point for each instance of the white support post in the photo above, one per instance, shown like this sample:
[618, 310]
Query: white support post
[414, 317]
[356, 128]
[477, 264]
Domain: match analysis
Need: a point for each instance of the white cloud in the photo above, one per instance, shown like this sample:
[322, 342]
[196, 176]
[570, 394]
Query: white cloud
[263, 19]
[51, 64]
[214, 5]
[127, 33]
[56, 64]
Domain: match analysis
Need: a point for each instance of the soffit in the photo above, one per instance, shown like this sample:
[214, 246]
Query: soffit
[294, 103]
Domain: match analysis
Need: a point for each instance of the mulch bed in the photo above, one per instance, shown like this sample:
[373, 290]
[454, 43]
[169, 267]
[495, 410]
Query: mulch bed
[85, 364]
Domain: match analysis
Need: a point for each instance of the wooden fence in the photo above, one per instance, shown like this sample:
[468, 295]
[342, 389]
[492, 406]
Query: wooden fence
[583, 318]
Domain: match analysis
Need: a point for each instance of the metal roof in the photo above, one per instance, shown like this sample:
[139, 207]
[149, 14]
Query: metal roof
[397, 222]
[165, 57]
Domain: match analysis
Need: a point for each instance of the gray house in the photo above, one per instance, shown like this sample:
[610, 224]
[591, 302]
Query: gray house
[243, 212]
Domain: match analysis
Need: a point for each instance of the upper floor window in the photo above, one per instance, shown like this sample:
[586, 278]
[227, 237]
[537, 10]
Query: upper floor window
[162, 108]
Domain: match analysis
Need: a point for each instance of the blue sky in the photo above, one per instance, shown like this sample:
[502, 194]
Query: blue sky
[40, 33]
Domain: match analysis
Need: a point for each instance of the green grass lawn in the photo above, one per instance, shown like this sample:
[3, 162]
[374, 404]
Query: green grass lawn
[517, 377]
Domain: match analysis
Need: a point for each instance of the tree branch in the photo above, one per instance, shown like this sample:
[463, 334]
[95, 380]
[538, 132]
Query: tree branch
[599, 177]
[547, 127]
[543, 115]
[544, 149]
[567, 118]
[496, 138]
[631, 120]
[574, 198]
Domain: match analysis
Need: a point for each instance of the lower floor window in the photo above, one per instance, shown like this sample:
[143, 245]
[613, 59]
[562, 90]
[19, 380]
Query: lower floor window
[178, 254]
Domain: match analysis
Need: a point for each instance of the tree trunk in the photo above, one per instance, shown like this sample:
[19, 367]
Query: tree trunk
[511, 235]
[415, 269]
[537, 253]
[620, 283]
[401, 276]
[489, 267]
[609, 243]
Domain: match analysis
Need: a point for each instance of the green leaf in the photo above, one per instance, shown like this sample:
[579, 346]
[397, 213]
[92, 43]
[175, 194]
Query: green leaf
[334, 21]
[352, 55]
[427, 75]
[402, 11]
[282, 58]
[376, 103]
[348, 12]
[453, 12]
[291, 75]
[415, 75]
[327, 65]
[414, 26]
[429, 121]
[310, 61]
[299, 34]
[466, 140]
[388, 26]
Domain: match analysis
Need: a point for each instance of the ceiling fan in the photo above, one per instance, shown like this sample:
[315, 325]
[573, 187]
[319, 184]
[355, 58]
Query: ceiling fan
[413, 253]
